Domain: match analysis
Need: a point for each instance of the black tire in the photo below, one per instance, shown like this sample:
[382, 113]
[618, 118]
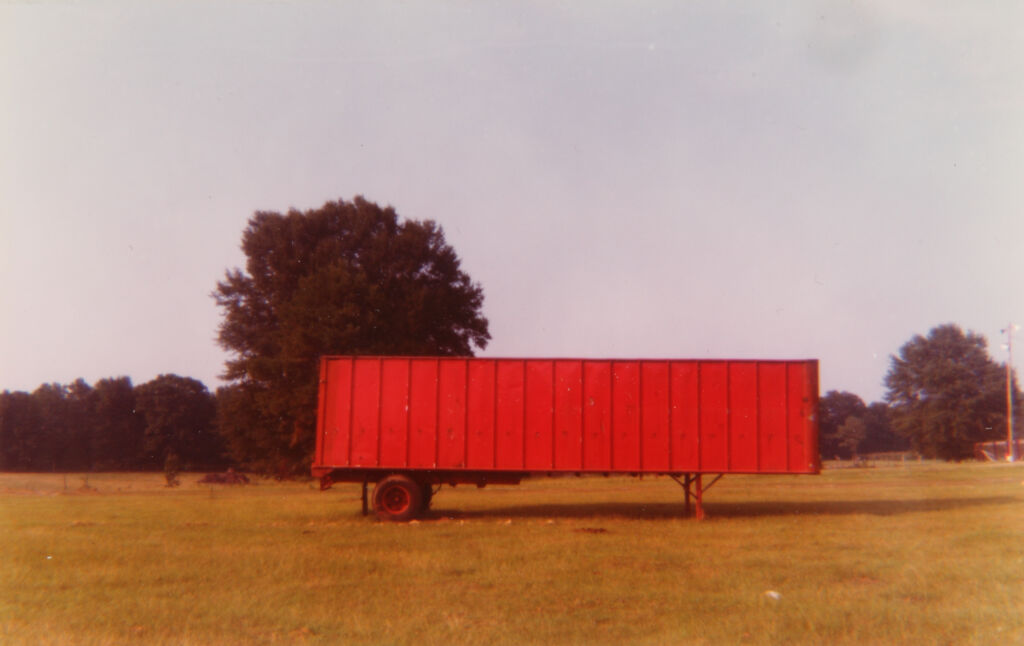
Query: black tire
[397, 498]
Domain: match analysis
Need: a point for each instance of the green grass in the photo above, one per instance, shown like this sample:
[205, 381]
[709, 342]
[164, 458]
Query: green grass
[918, 554]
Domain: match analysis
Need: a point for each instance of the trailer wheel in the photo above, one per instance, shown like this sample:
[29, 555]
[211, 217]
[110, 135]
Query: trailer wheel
[397, 498]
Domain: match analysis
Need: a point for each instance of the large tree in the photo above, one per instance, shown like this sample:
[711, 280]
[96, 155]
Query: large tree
[179, 415]
[946, 393]
[77, 454]
[347, 278]
[54, 428]
[20, 443]
[244, 430]
[117, 435]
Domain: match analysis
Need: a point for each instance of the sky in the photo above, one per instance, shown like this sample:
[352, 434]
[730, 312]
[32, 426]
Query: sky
[807, 179]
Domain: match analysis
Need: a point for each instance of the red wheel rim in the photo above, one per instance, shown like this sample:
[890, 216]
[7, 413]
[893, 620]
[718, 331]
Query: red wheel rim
[395, 500]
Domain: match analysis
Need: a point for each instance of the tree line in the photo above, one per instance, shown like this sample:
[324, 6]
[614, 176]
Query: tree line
[111, 425]
[352, 278]
[944, 394]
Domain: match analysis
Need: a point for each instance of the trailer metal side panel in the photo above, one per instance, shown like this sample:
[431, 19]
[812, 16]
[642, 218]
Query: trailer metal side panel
[772, 411]
[743, 416]
[625, 449]
[655, 416]
[423, 396]
[802, 445]
[366, 403]
[685, 412]
[481, 418]
[451, 415]
[597, 416]
[394, 413]
[568, 415]
[335, 420]
[510, 415]
[714, 416]
[539, 416]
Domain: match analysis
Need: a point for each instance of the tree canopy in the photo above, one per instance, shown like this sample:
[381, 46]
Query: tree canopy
[946, 393]
[180, 415]
[21, 445]
[117, 436]
[848, 427]
[880, 436]
[347, 278]
[834, 408]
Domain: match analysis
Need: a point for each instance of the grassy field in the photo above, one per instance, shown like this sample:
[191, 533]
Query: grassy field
[917, 554]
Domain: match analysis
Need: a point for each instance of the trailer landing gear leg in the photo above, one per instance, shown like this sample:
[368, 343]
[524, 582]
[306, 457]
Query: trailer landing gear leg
[366, 505]
[699, 491]
[693, 485]
[687, 481]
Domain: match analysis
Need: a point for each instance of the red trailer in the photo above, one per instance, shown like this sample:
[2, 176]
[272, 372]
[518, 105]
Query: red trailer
[410, 424]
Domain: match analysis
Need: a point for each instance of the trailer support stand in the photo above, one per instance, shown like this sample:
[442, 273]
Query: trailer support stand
[686, 488]
[699, 491]
[693, 485]
[691, 489]
[366, 505]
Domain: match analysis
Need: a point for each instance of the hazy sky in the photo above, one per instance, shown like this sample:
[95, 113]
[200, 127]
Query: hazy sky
[634, 179]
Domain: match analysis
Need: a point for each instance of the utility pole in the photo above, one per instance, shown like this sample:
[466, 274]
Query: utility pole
[1009, 393]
